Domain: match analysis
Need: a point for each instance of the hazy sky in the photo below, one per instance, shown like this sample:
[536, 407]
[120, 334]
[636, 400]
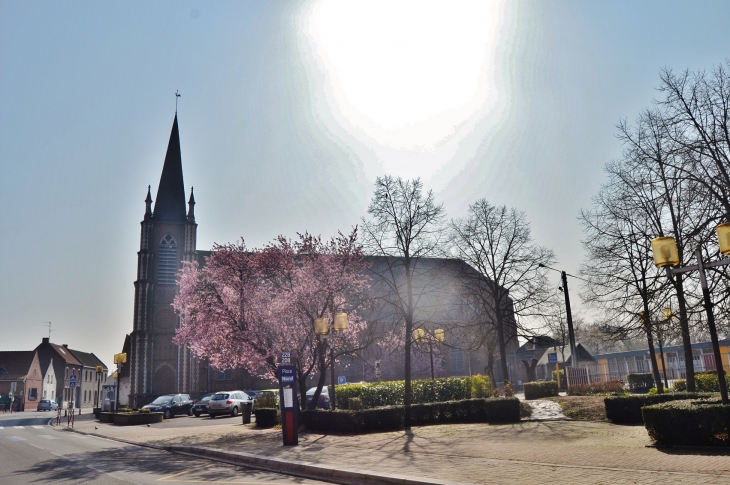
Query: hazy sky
[288, 113]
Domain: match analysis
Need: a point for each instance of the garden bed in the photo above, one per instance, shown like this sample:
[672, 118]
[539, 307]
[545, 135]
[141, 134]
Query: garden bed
[582, 408]
[688, 423]
[130, 419]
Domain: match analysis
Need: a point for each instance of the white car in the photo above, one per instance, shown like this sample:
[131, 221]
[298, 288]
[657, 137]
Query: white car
[229, 402]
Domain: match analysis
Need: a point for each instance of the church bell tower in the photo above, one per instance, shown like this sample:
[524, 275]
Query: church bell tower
[156, 365]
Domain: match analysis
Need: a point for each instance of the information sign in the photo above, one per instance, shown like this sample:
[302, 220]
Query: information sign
[341, 380]
[552, 358]
[289, 403]
[378, 371]
[72, 381]
[286, 358]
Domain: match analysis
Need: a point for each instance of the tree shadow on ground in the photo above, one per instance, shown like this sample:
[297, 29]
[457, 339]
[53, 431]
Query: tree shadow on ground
[92, 466]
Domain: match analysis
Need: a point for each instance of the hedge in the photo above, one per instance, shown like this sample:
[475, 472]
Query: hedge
[388, 418]
[392, 393]
[627, 409]
[536, 390]
[688, 422]
[267, 417]
[640, 383]
[614, 388]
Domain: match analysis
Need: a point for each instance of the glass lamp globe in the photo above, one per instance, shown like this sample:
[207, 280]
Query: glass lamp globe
[723, 238]
[665, 252]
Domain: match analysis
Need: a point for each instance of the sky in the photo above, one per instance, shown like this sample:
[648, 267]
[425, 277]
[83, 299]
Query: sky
[288, 113]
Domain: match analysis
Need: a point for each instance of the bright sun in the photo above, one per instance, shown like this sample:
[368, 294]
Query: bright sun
[406, 74]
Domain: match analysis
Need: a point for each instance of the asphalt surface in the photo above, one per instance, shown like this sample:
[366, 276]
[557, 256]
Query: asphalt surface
[38, 453]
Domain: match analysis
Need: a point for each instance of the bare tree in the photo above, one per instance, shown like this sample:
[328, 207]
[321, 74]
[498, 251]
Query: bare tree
[405, 226]
[508, 282]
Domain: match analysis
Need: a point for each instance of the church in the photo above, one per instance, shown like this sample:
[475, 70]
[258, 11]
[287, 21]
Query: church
[156, 366]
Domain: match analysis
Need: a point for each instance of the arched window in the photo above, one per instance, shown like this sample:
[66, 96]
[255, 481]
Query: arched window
[167, 266]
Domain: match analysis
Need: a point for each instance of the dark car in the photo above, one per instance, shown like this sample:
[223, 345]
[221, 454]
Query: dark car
[201, 405]
[171, 405]
[324, 398]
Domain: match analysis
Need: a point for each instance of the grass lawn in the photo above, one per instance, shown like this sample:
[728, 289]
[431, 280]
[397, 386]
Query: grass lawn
[584, 408]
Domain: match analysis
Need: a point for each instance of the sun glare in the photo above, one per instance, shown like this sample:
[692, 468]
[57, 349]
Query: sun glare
[405, 74]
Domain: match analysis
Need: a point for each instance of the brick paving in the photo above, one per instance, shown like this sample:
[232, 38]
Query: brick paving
[537, 452]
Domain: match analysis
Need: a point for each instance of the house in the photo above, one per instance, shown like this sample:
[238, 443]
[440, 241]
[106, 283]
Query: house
[64, 366]
[89, 381]
[49, 383]
[21, 378]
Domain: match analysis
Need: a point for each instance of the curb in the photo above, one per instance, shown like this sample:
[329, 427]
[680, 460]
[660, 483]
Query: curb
[302, 469]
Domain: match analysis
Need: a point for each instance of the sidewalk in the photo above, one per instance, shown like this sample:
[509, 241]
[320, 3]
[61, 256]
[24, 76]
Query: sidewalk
[528, 452]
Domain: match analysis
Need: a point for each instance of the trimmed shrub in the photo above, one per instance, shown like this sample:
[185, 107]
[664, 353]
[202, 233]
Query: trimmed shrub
[388, 418]
[536, 390]
[613, 388]
[640, 383]
[708, 382]
[267, 417]
[354, 403]
[680, 385]
[392, 393]
[688, 422]
[627, 409]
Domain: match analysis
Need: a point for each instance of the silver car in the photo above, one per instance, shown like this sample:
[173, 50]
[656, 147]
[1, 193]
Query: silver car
[46, 405]
[229, 402]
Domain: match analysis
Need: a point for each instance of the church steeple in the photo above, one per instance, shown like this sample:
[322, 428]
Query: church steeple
[191, 207]
[170, 201]
[148, 204]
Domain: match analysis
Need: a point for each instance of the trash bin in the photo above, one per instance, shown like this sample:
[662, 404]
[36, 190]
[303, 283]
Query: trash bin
[246, 413]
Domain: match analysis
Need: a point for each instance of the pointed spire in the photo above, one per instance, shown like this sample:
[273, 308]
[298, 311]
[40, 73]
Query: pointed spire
[148, 203]
[191, 206]
[170, 202]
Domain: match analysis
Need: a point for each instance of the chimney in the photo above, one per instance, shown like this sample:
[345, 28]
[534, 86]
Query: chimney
[65, 345]
[45, 340]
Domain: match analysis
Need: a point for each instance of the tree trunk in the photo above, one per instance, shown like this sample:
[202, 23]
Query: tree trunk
[501, 343]
[530, 370]
[684, 328]
[409, 337]
[322, 377]
[652, 353]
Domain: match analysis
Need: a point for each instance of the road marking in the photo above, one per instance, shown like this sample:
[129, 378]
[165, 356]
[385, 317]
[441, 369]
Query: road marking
[57, 454]
[16, 438]
[1, 428]
[48, 437]
[39, 427]
[36, 446]
[75, 435]
[19, 427]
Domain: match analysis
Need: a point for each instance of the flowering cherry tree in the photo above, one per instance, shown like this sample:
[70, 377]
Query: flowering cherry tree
[244, 305]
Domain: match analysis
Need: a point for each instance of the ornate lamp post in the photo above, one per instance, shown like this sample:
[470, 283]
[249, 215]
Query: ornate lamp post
[120, 360]
[321, 328]
[666, 255]
[438, 337]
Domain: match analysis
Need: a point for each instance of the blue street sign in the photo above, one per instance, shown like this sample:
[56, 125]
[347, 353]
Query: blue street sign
[552, 358]
[341, 380]
[72, 380]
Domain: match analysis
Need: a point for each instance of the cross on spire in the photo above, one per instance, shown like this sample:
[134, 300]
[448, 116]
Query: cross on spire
[177, 95]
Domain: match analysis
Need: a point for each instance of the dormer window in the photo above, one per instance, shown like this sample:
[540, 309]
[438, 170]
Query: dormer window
[168, 261]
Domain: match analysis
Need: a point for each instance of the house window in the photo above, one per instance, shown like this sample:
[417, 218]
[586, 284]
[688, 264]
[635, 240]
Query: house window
[32, 394]
[226, 375]
[168, 261]
[457, 361]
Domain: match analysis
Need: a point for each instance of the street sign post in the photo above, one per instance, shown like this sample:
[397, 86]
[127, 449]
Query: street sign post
[72, 381]
[552, 358]
[289, 403]
[341, 380]
[378, 371]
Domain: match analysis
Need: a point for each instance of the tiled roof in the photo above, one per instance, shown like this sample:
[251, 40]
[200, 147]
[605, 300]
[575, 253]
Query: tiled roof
[15, 364]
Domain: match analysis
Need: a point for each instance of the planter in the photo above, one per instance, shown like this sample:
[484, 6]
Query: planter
[124, 419]
[106, 417]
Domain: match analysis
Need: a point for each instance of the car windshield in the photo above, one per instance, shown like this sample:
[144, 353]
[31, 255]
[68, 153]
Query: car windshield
[162, 400]
[219, 397]
[311, 391]
[205, 398]
[251, 393]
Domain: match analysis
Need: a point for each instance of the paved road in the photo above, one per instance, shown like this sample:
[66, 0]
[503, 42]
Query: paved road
[42, 454]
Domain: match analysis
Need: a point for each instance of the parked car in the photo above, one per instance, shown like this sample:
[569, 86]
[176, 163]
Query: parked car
[171, 405]
[230, 402]
[266, 398]
[47, 405]
[201, 405]
[324, 398]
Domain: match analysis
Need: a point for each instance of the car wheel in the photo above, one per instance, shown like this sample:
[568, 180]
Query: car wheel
[234, 413]
[197, 415]
[190, 412]
[167, 414]
[212, 416]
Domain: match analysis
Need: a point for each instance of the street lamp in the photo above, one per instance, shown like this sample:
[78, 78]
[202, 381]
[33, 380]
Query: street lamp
[438, 336]
[99, 371]
[665, 254]
[321, 328]
[120, 360]
[568, 313]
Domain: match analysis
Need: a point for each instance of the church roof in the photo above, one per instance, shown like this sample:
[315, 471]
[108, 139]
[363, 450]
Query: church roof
[170, 201]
